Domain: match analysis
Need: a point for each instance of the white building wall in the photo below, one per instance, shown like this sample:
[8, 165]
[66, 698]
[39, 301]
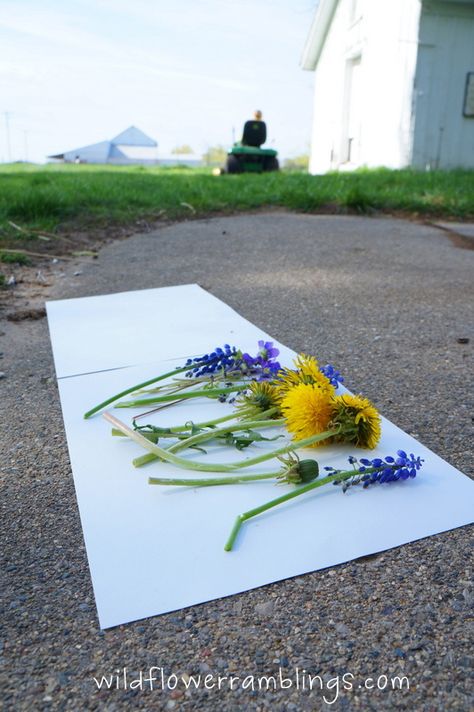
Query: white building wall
[443, 137]
[390, 56]
[138, 153]
[329, 97]
[363, 86]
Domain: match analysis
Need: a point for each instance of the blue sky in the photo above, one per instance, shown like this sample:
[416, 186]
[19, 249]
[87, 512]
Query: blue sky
[75, 72]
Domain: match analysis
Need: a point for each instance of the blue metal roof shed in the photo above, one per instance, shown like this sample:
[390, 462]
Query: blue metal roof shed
[129, 147]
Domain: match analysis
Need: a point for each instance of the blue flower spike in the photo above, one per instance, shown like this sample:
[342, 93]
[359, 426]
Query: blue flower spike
[221, 359]
[229, 359]
[390, 469]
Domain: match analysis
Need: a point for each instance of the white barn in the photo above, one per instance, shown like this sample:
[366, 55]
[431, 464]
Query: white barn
[131, 146]
[394, 84]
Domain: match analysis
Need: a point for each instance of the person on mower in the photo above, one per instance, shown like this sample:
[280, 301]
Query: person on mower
[247, 155]
[255, 131]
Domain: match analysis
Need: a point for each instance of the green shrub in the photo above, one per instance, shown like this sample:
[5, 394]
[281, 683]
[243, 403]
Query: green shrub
[14, 258]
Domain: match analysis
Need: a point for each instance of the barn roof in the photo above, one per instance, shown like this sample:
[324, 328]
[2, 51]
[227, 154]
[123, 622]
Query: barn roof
[102, 151]
[99, 151]
[317, 33]
[133, 137]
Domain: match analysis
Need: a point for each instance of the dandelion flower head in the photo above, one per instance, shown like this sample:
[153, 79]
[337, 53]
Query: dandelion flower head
[308, 411]
[359, 421]
[259, 397]
[306, 371]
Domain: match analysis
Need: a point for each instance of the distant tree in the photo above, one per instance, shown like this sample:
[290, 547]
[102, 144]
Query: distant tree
[298, 163]
[215, 156]
[184, 149]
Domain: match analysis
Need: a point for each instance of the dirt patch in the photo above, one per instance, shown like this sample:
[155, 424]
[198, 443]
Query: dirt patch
[29, 286]
[24, 314]
[464, 242]
[71, 240]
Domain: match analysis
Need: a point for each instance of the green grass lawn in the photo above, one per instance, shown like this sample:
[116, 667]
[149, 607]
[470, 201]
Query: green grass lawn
[61, 199]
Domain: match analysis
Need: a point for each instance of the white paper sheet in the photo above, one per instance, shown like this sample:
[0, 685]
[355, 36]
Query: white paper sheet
[130, 328]
[153, 549]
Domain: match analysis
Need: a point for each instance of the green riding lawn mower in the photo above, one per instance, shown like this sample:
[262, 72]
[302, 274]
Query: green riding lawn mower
[247, 156]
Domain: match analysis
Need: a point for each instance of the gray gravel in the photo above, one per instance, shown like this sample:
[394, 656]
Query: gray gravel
[388, 302]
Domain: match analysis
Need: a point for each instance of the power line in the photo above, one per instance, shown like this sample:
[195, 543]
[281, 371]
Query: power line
[7, 134]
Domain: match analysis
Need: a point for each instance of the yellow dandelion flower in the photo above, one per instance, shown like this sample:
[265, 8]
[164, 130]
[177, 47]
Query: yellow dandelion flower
[308, 411]
[259, 397]
[306, 371]
[358, 419]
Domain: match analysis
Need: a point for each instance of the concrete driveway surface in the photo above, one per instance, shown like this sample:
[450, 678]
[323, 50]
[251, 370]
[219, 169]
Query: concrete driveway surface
[389, 302]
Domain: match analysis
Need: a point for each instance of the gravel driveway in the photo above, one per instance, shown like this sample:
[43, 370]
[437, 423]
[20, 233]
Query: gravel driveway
[389, 302]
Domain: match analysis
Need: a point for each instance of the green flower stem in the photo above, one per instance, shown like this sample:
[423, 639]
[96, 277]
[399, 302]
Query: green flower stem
[152, 437]
[205, 466]
[180, 383]
[168, 388]
[233, 427]
[230, 467]
[201, 393]
[107, 402]
[144, 459]
[159, 451]
[177, 384]
[209, 423]
[175, 430]
[150, 457]
[235, 415]
[241, 518]
[209, 481]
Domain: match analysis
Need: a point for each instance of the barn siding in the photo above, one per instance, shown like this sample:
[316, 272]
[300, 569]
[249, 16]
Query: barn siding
[443, 137]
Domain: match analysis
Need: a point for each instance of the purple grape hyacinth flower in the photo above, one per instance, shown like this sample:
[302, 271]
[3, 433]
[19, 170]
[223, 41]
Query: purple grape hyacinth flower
[332, 375]
[230, 360]
[264, 361]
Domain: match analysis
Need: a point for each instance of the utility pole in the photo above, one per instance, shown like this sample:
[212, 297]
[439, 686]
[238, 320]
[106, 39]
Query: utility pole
[7, 134]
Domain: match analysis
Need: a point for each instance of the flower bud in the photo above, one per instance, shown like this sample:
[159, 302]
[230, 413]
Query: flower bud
[300, 472]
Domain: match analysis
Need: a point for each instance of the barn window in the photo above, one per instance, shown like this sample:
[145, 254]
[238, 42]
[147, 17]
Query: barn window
[468, 109]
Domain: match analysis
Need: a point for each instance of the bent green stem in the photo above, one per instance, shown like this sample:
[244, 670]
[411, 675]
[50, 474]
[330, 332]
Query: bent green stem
[177, 432]
[208, 466]
[241, 518]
